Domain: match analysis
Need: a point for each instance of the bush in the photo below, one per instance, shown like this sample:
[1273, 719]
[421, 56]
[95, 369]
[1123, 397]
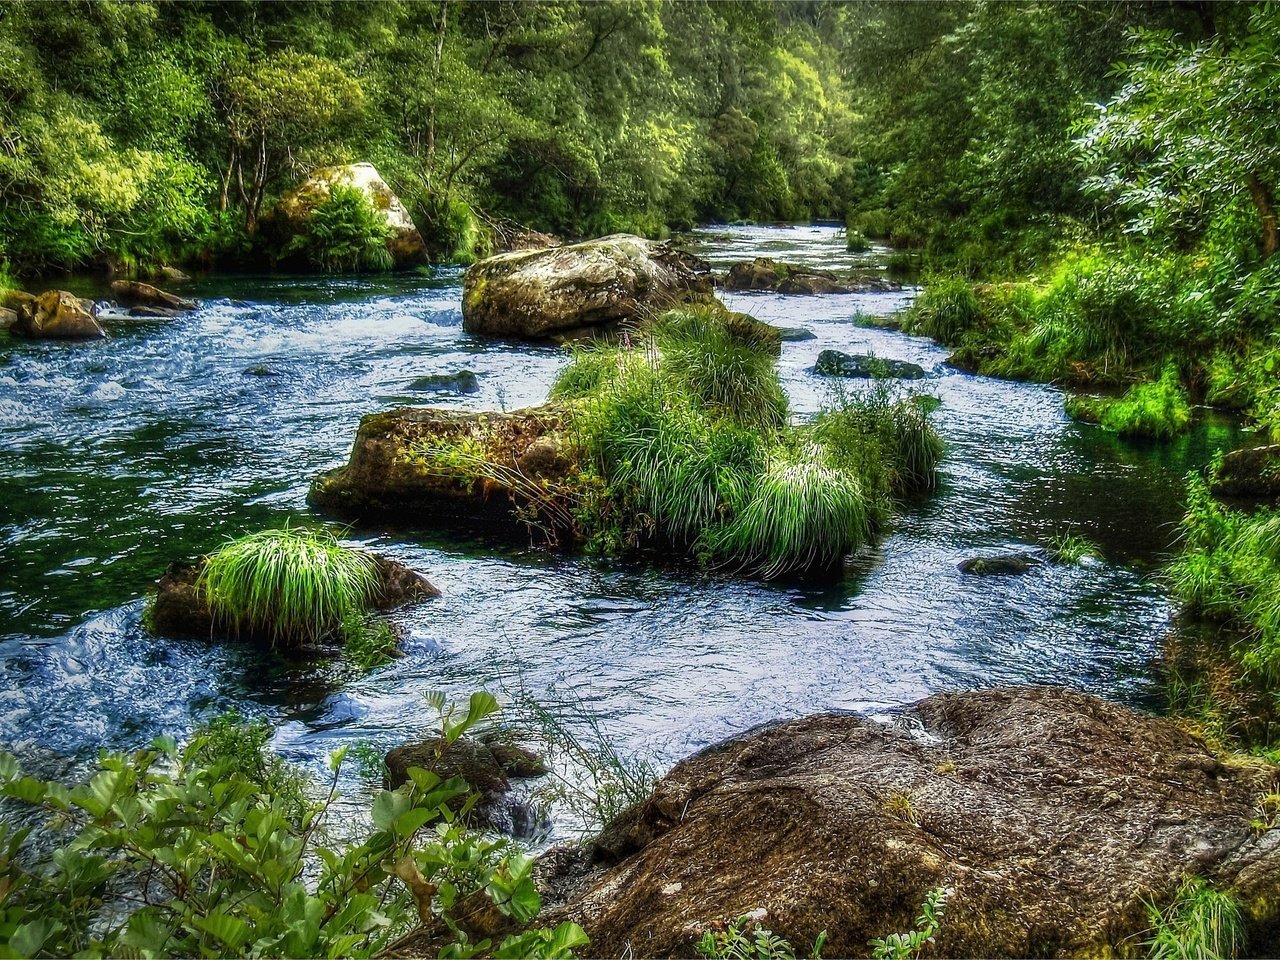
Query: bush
[185, 852]
[344, 234]
[946, 310]
[291, 586]
[856, 241]
[1158, 409]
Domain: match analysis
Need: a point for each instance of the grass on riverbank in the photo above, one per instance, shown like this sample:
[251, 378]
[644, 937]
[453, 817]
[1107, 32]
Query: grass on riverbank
[687, 426]
[1159, 409]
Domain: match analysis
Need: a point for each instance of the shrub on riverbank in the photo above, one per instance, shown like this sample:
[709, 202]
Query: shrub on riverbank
[1228, 571]
[216, 849]
[344, 233]
[686, 425]
[292, 586]
[1158, 409]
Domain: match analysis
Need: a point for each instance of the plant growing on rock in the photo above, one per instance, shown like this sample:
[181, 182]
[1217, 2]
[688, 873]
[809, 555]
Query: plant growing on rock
[1201, 923]
[344, 234]
[907, 946]
[292, 586]
[746, 939]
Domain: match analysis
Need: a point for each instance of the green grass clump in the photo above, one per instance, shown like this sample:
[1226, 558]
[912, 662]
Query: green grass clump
[291, 586]
[1071, 550]
[1228, 571]
[856, 241]
[1200, 924]
[344, 234]
[946, 310]
[1158, 409]
[686, 432]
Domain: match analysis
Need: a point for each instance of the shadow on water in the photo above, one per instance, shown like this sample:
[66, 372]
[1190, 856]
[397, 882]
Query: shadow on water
[168, 437]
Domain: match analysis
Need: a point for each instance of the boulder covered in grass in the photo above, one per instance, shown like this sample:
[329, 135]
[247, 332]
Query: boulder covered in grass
[420, 466]
[834, 363]
[282, 588]
[547, 293]
[1251, 473]
[56, 315]
[999, 563]
[1053, 817]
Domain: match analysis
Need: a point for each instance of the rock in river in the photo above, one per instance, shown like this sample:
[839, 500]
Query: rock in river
[539, 294]
[1054, 816]
[404, 467]
[181, 609]
[464, 381]
[833, 363]
[56, 314]
[135, 293]
[1252, 473]
[765, 274]
[999, 563]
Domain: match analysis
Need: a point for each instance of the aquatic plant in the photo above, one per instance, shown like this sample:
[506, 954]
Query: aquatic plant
[293, 586]
[1071, 549]
[856, 241]
[1201, 923]
[230, 851]
[1158, 409]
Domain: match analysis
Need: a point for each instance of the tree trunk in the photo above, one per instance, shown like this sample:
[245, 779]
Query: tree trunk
[1265, 202]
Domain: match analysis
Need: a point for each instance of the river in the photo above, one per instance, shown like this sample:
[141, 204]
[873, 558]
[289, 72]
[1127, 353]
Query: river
[173, 435]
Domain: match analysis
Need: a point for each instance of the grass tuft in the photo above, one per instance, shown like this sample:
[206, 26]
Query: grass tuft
[1200, 924]
[292, 586]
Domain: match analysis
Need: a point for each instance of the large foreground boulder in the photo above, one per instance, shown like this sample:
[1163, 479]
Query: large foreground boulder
[57, 315]
[1054, 816]
[405, 243]
[417, 466]
[541, 294]
[1252, 473]
[181, 609]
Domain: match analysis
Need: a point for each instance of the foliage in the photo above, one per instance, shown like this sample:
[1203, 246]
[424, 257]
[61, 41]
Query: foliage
[1072, 550]
[344, 233]
[909, 945]
[686, 425]
[746, 939]
[184, 852]
[946, 309]
[1157, 409]
[1227, 571]
[292, 586]
[1201, 922]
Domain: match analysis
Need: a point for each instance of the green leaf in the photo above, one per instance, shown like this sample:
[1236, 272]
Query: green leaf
[390, 806]
[31, 936]
[227, 929]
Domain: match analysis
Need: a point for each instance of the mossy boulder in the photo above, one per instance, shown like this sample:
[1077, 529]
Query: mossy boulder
[463, 381]
[763, 273]
[1056, 817]
[1251, 473]
[834, 363]
[405, 243]
[181, 609]
[549, 293]
[56, 315]
[1000, 563]
[418, 465]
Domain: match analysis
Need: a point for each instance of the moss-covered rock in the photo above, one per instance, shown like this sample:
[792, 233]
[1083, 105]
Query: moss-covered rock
[135, 293]
[834, 363]
[1252, 473]
[543, 294]
[417, 466]
[404, 243]
[1054, 816]
[56, 315]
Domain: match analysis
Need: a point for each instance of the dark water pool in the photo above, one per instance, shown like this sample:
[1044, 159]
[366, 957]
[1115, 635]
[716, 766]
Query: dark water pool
[170, 436]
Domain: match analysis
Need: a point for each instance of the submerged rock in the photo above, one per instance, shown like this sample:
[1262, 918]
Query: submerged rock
[181, 610]
[540, 294]
[834, 363]
[1252, 473]
[135, 293]
[388, 477]
[1000, 563]
[488, 766]
[811, 283]
[1054, 816]
[405, 243]
[56, 314]
[464, 381]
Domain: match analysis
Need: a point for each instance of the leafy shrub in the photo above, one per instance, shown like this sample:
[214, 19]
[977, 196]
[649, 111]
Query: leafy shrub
[183, 852]
[1201, 923]
[856, 241]
[344, 233]
[1157, 409]
[909, 945]
[746, 939]
[293, 586]
[1228, 570]
[946, 310]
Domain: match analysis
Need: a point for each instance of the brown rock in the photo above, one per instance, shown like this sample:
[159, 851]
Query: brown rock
[1252, 473]
[7, 318]
[56, 314]
[135, 293]
[1055, 816]
[543, 293]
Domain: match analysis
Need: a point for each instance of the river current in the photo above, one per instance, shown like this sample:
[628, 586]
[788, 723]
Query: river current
[170, 436]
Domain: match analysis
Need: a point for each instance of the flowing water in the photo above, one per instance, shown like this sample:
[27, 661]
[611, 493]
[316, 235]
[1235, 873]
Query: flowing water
[160, 442]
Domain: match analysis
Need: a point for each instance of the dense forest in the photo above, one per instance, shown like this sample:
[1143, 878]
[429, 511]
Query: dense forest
[1045, 496]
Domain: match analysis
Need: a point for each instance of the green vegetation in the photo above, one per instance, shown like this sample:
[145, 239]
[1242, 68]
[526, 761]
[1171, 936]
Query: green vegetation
[688, 430]
[1201, 923]
[219, 849]
[291, 586]
[343, 233]
[1071, 550]
[745, 939]
[1156, 409]
[1228, 571]
[909, 945]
